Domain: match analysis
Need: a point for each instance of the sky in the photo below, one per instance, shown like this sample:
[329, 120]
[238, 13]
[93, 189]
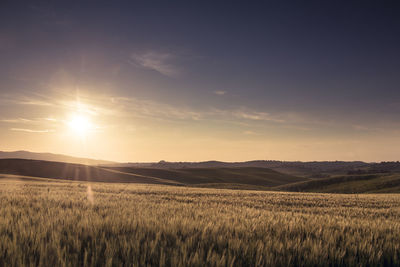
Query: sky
[207, 80]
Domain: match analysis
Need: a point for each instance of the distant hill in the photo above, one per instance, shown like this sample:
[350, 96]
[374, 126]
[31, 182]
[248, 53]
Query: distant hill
[51, 157]
[313, 169]
[386, 166]
[366, 183]
[69, 171]
[248, 178]
[316, 169]
[370, 178]
[218, 176]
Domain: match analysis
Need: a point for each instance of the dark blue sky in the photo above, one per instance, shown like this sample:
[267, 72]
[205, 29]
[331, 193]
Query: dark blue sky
[332, 67]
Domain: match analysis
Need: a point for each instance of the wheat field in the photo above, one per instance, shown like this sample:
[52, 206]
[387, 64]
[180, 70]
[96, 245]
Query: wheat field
[47, 223]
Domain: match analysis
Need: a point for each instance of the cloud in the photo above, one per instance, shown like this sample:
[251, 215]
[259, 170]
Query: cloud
[249, 133]
[257, 116]
[35, 103]
[148, 109]
[31, 101]
[218, 92]
[117, 111]
[30, 130]
[160, 62]
[28, 121]
[144, 108]
[19, 120]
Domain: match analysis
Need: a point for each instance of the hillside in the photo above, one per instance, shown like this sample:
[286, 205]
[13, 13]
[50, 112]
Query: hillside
[366, 183]
[316, 169]
[50, 157]
[312, 169]
[218, 176]
[68, 171]
[248, 178]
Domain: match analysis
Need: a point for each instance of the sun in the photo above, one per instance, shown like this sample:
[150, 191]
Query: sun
[80, 125]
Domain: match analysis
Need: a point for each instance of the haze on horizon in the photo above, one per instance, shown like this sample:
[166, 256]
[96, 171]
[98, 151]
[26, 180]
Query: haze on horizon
[180, 81]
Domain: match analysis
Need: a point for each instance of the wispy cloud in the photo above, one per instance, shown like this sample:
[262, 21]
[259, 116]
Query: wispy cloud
[257, 116]
[118, 111]
[19, 120]
[31, 130]
[219, 92]
[250, 133]
[29, 120]
[161, 111]
[144, 108]
[31, 101]
[34, 103]
[366, 128]
[160, 62]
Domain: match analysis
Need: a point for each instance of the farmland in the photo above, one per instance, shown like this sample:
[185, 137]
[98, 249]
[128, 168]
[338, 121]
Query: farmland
[66, 223]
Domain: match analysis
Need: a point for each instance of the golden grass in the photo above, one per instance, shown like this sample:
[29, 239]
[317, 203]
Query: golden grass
[70, 224]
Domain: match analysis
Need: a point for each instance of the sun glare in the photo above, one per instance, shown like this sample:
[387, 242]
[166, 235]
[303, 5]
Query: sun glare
[80, 124]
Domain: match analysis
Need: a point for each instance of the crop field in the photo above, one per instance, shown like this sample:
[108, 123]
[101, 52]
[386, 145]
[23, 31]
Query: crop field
[64, 223]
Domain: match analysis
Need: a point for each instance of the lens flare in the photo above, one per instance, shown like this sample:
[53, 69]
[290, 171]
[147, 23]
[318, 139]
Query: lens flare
[90, 194]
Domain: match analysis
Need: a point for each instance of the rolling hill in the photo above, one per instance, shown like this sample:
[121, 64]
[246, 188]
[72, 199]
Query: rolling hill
[315, 169]
[218, 176]
[250, 178]
[366, 183]
[69, 171]
[50, 157]
[386, 180]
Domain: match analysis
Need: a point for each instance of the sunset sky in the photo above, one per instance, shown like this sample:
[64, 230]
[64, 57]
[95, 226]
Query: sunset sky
[180, 81]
